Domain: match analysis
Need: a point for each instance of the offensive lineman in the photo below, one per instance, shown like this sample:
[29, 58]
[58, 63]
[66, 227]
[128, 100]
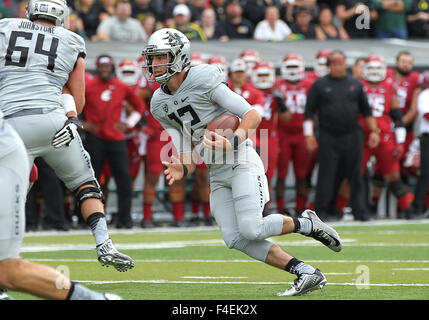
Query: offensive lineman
[38, 58]
[186, 102]
[16, 273]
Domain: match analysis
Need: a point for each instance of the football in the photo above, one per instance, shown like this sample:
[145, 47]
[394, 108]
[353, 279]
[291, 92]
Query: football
[225, 125]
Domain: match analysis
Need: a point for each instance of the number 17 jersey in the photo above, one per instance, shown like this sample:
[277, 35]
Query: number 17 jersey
[35, 63]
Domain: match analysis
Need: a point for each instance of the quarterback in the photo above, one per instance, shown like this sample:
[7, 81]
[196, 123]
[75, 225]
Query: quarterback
[188, 99]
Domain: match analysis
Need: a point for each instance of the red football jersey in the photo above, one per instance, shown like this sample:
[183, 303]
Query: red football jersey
[150, 120]
[404, 87]
[255, 98]
[380, 100]
[104, 105]
[295, 95]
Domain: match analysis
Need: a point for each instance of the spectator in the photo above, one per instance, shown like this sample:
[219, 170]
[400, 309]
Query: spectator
[289, 8]
[149, 24]
[325, 29]
[338, 99]
[197, 7]
[76, 25]
[272, 28]
[303, 27]
[182, 16]
[141, 8]
[253, 10]
[237, 27]
[418, 19]
[91, 13]
[391, 22]
[105, 137]
[169, 7]
[219, 6]
[210, 26]
[109, 7]
[349, 11]
[121, 26]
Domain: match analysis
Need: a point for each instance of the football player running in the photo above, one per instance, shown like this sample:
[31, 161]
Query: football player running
[38, 58]
[189, 98]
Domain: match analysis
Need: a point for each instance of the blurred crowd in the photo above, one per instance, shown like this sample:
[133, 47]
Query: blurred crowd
[124, 140]
[269, 20]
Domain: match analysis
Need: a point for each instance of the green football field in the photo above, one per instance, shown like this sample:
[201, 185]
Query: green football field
[382, 260]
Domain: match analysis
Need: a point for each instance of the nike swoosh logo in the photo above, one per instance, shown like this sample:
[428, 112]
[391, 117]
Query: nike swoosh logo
[235, 166]
[184, 99]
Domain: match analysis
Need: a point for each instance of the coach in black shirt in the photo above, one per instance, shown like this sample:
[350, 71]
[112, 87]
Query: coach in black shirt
[337, 99]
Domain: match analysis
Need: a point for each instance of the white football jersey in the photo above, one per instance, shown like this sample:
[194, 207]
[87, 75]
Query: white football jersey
[35, 63]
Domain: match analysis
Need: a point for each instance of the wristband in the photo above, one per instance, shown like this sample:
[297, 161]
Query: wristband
[133, 119]
[185, 170]
[400, 135]
[68, 103]
[307, 128]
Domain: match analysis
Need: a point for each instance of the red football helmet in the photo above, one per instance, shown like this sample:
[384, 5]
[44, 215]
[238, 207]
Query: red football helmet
[263, 75]
[196, 59]
[292, 67]
[251, 57]
[375, 68]
[129, 71]
[219, 61]
[321, 63]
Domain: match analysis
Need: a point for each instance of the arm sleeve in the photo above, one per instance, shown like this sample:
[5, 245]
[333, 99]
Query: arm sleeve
[312, 101]
[229, 100]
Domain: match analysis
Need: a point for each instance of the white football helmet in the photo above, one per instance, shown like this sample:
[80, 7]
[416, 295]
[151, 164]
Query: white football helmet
[251, 57]
[172, 43]
[56, 11]
[263, 75]
[128, 71]
[374, 69]
[321, 63]
[292, 67]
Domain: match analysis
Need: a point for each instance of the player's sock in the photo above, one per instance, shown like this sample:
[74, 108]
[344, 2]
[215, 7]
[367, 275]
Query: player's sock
[303, 226]
[178, 211]
[298, 267]
[280, 204]
[427, 200]
[98, 225]
[300, 203]
[147, 211]
[195, 207]
[206, 209]
[79, 292]
[341, 203]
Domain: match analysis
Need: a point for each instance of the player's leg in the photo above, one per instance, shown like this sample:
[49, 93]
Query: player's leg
[300, 158]
[223, 209]
[72, 165]
[15, 273]
[203, 184]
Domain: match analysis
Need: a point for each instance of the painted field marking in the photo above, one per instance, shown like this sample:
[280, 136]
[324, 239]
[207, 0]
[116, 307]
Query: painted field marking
[411, 269]
[207, 277]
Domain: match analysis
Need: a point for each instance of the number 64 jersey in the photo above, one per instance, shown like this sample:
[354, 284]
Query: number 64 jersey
[37, 59]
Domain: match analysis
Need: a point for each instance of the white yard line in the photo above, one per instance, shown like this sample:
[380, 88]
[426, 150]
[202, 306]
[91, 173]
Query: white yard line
[230, 261]
[411, 269]
[252, 282]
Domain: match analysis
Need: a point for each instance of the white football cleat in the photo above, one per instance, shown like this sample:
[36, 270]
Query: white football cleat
[304, 284]
[322, 232]
[109, 256]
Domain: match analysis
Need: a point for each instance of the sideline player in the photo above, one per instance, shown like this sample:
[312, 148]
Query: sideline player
[38, 58]
[16, 273]
[186, 102]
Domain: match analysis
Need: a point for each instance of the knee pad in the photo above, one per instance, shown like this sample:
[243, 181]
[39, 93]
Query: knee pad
[92, 192]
